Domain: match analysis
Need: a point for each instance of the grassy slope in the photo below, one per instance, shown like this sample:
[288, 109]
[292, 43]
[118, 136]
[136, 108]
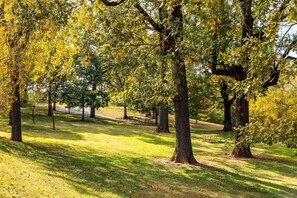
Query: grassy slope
[102, 158]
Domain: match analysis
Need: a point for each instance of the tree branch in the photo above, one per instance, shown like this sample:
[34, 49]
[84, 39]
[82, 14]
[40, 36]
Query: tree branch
[111, 3]
[156, 26]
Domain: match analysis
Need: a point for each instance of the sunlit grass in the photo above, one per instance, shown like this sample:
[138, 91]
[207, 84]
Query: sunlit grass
[105, 158]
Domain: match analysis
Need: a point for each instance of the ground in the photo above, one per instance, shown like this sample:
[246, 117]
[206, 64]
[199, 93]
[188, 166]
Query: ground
[109, 158]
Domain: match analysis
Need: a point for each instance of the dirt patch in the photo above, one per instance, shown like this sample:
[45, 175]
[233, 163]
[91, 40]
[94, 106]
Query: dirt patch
[171, 164]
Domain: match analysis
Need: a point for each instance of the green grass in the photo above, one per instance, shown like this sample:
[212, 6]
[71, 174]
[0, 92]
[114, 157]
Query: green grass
[102, 158]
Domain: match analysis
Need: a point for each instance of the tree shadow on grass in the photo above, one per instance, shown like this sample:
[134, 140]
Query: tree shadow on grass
[92, 173]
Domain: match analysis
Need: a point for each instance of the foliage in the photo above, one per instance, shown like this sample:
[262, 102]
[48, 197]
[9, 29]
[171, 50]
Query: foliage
[24, 27]
[78, 91]
[204, 101]
[274, 118]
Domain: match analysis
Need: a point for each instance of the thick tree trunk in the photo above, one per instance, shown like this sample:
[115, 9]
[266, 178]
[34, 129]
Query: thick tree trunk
[227, 116]
[49, 102]
[170, 35]
[242, 118]
[163, 126]
[183, 150]
[242, 104]
[125, 111]
[16, 127]
[93, 109]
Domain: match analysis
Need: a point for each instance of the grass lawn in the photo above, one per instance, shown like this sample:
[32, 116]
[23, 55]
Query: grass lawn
[103, 158]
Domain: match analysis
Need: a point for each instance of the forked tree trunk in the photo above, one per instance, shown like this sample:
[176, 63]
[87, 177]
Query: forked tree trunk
[227, 106]
[93, 109]
[16, 126]
[125, 111]
[242, 118]
[163, 125]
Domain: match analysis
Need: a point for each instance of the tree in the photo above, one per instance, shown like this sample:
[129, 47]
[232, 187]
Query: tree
[80, 91]
[21, 22]
[171, 29]
[225, 93]
[255, 56]
[273, 117]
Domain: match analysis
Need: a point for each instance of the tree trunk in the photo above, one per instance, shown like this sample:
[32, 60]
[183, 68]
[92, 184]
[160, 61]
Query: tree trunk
[183, 150]
[55, 102]
[125, 111]
[242, 104]
[10, 118]
[242, 118]
[53, 121]
[93, 112]
[93, 109]
[156, 117]
[16, 127]
[227, 116]
[33, 115]
[83, 108]
[163, 126]
[49, 102]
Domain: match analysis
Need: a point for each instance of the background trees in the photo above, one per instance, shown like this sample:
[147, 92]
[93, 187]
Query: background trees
[81, 91]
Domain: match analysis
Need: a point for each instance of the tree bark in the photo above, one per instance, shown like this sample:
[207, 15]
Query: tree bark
[242, 104]
[242, 119]
[163, 125]
[93, 109]
[49, 101]
[183, 150]
[125, 111]
[227, 106]
[16, 127]
[170, 35]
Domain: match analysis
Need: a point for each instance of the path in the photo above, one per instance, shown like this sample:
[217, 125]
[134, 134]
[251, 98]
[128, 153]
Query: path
[78, 111]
